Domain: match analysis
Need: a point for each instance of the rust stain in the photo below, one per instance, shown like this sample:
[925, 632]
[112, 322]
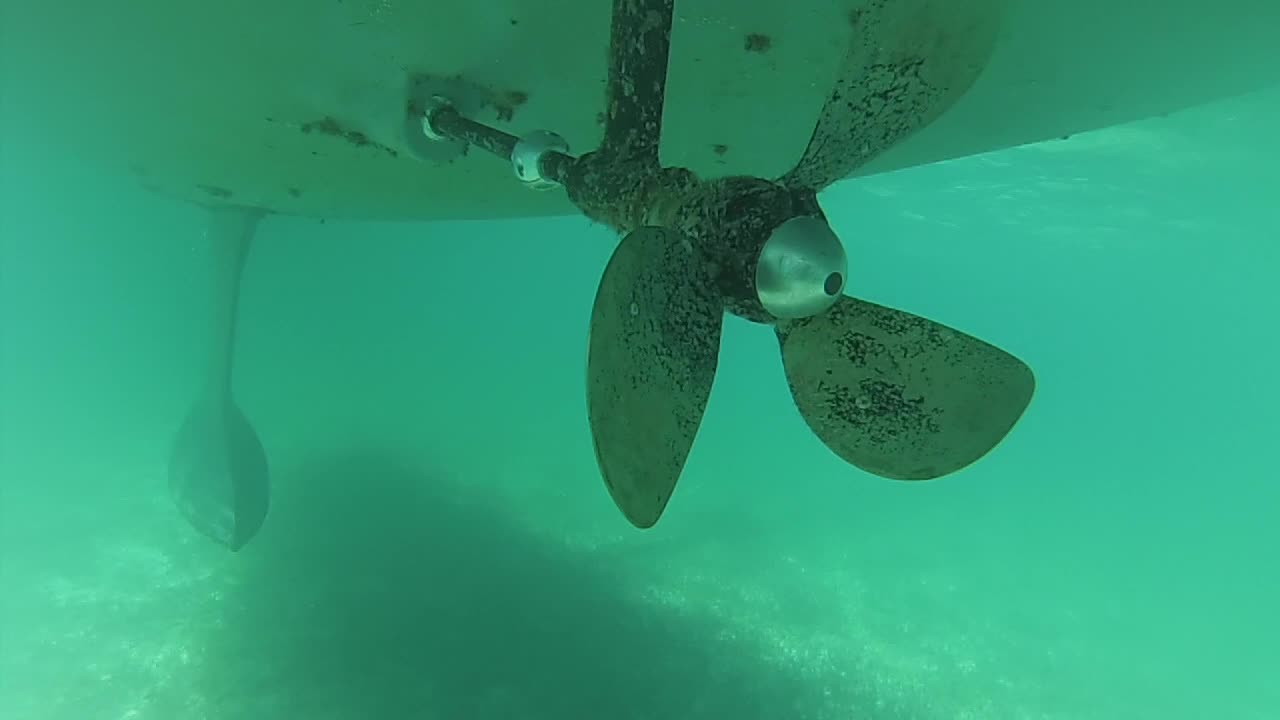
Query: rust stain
[214, 191]
[757, 43]
[331, 127]
[506, 103]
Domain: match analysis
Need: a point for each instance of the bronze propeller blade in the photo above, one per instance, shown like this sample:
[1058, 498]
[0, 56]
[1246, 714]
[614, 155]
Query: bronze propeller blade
[653, 349]
[907, 62]
[898, 395]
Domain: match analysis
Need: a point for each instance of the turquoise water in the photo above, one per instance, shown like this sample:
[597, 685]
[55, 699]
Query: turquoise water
[441, 545]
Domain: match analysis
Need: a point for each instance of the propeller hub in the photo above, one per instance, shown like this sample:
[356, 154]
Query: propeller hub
[802, 268]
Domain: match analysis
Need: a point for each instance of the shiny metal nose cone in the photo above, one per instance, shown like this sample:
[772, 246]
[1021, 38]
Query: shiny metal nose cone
[801, 270]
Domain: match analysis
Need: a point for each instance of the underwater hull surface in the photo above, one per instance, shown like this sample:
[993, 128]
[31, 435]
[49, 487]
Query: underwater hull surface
[299, 107]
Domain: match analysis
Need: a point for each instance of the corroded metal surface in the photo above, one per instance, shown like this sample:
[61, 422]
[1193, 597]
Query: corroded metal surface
[652, 354]
[898, 395]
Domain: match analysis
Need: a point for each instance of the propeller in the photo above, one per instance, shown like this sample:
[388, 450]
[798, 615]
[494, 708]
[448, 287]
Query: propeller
[218, 474]
[890, 392]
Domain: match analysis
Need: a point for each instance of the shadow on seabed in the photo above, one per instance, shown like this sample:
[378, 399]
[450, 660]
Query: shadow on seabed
[380, 591]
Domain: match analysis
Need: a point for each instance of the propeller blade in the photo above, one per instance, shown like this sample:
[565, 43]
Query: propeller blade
[898, 395]
[653, 349]
[639, 49]
[907, 62]
[217, 467]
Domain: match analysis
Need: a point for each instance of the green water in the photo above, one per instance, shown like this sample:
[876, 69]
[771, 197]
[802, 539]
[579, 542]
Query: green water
[441, 545]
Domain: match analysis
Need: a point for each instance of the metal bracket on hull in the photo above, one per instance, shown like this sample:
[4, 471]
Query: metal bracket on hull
[538, 158]
[424, 92]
